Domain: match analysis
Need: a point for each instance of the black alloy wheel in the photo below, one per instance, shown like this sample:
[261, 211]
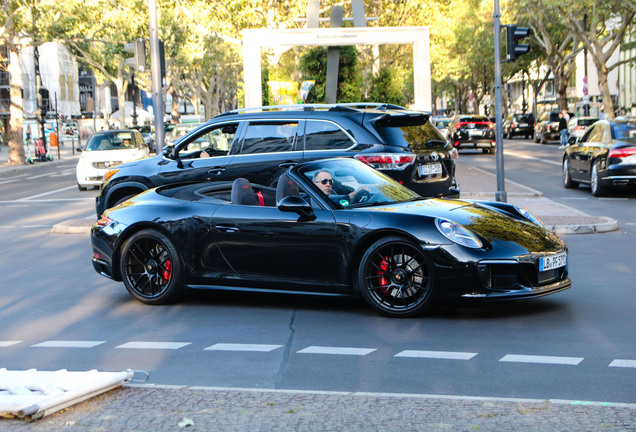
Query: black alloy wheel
[151, 268]
[395, 278]
[568, 183]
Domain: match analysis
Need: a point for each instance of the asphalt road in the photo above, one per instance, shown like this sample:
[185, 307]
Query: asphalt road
[56, 312]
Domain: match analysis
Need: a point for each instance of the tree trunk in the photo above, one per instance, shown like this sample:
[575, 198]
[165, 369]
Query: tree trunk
[16, 143]
[174, 110]
[608, 103]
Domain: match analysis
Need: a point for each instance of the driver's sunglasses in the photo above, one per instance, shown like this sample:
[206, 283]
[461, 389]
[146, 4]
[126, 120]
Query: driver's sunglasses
[324, 181]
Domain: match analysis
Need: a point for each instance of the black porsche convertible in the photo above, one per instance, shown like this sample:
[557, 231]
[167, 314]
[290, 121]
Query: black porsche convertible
[334, 227]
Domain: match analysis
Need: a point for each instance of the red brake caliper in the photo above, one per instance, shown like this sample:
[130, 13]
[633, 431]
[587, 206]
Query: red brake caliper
[167, 273]
[384, 265]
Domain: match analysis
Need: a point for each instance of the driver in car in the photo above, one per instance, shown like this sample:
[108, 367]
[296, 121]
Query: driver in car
[324, 181]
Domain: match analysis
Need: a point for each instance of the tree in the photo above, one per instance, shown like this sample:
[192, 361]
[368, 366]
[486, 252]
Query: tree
[313, 66]
[601, 26]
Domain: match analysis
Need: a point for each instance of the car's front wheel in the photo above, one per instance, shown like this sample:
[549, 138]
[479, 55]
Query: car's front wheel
[568, 183]
[151, 268]
[395, 278]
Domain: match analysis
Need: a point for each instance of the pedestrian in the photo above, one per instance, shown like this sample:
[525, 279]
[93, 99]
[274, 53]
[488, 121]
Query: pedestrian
[563, 130]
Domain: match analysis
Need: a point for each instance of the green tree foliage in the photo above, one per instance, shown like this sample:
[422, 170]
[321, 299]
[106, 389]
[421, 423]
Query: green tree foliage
[313, 66]
[387, 87]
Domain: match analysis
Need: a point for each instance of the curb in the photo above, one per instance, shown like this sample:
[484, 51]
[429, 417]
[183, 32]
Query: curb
[74, 226]
[608, 224]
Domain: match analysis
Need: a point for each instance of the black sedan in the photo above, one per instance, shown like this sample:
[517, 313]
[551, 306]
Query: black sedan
[604, 158]
[335, 227]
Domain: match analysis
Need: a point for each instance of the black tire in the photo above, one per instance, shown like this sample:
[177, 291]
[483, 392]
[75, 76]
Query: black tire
[395, 278]
[81, 188]
[536, 140]
[543, 140]
[568, 183]
[151, 268]
[595, 182]
[122, 199]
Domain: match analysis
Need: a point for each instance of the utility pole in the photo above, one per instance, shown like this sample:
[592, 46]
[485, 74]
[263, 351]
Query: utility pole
[155, 69]
[501, 188]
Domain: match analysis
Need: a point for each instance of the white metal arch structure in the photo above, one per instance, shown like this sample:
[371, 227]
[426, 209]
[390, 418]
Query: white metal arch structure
[254, 39]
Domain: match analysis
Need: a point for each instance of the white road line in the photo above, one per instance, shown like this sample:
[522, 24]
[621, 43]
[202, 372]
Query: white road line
[24, 226]
[68, 344]
[623, 363]
[154, 345]
[55, 200]
[47, 193]
[516, 358]
[613, 199]
[336, 350]
[630, 223]
[8, 181]
[531, 157]
[8, 343]
[446, 355]
[574, 198]
[242, 347]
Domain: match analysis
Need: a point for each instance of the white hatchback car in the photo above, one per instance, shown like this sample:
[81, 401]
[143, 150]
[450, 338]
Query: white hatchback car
[106, 149]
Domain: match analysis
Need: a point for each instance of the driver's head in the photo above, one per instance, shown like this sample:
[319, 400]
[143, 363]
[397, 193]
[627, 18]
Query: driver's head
[324, 181]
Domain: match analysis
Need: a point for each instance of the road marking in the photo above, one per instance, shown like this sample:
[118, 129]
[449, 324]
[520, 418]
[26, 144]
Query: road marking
[23, 226]
[446, 355]
[531, 157]
[8, 181]
[516, 358]
[242, 347]
[630, 223]
[613, 199]
[8, 343]
[574, 198]
[68, 344]
[154, 345]
[47, 193]
[623, 363]
[55, 200]
[336, 350]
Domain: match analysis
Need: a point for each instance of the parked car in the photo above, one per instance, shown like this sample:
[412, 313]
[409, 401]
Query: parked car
[578, 125]
[400, 252]
[441, 123]
[261, 143]
[604, 158]
[148, 133]
[547, 127]
[180, 130]
[472, 131]
[105, 150]
[518, 124]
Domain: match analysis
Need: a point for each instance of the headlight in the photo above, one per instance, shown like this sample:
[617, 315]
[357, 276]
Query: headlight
[457, 233]
[528, 215]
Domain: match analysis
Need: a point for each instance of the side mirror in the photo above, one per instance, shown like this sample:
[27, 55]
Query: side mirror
[168, 151]
[295, 204]
[572, 140]
[79, 149]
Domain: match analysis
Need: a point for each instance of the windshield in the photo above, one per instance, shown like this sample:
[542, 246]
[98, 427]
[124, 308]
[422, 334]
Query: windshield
[110, 141]
[587, 122]
[349, 184]
[624, 131]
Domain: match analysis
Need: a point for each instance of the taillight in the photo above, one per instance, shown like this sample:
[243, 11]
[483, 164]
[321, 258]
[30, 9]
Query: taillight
[104, 221]
[491, 125]
[622, 152]
[386, 160]
[458, 125]
[578, 127]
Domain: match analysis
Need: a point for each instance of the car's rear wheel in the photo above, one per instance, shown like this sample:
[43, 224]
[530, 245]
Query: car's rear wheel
[395, 278]
[568, 183]
[595, 182]
[151, 268]
[536, 138]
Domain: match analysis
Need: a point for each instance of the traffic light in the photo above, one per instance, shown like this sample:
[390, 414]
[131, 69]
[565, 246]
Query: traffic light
[513, 35]
[138, 61]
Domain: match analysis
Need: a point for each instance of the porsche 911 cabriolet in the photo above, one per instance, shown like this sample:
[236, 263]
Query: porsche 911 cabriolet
[335, 227]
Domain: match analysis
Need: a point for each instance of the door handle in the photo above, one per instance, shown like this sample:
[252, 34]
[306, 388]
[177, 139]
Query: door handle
[216, 171]
[288, 164]
[227, 229]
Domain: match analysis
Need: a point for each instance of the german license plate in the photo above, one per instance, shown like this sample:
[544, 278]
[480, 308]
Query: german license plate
[553, 261]
[428, 169]
[475, 133]
[523, 124]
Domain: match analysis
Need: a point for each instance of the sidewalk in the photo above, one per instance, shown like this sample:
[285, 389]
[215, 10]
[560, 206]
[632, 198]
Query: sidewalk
[66, 152]
[173, 408]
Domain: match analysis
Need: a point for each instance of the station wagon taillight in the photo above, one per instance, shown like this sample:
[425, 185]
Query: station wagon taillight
[386, 160]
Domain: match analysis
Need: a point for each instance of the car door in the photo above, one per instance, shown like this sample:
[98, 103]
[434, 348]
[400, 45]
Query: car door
[266, 149]
[588, 149]
[264, 244]
[199, 157]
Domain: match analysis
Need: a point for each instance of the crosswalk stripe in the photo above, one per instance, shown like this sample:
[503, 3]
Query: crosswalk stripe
[8, 343]
[516, 358]
[242, 347]
[336, 350]
[154, 345]
[623, 363]
[446, 355]
[69, 344]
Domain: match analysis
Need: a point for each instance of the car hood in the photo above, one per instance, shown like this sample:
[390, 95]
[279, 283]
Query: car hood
[113, 155]
[493, 226]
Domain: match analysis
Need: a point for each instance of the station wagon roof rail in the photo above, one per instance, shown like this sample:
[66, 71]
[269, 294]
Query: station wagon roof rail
[315, 107]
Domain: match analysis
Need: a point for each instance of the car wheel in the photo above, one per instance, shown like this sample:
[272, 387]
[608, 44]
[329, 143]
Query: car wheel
[543, 140]
[568, 183]
[395, 278]
[536, 138]
[595, 182]
[151, 268]
[81, 188]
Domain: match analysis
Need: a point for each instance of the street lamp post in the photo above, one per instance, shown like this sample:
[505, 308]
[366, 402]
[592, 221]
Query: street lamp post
[501, 189]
